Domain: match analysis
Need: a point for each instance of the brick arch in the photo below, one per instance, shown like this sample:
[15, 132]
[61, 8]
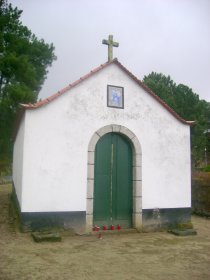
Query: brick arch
[137, 174]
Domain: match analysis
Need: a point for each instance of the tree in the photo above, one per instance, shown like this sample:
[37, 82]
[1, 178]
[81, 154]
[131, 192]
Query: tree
[188, 105]
[163, 86]
[24, 60]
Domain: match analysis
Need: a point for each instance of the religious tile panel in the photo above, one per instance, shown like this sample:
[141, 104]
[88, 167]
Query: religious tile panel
[115, 97]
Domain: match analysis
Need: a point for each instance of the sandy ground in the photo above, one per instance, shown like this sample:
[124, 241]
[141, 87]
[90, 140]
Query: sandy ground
[121, 256]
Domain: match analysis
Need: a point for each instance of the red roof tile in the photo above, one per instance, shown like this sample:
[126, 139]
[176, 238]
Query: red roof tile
[43, 102]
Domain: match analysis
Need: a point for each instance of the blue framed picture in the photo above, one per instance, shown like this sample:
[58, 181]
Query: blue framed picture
[115, 97]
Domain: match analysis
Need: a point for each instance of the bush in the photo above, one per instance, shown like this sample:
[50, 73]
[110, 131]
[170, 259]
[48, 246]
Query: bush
[5, 167]
[207, 168]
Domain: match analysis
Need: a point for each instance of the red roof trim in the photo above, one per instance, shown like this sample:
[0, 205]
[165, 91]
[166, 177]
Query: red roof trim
[148, 90]
[43, 102]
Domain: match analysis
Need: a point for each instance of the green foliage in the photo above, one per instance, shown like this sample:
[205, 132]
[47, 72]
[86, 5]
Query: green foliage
[163, 86]
[5, 168]
[24, 60]
[207, 168]
[188, 105]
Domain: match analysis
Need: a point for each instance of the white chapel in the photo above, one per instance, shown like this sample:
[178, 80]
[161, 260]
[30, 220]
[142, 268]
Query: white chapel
[103, 151]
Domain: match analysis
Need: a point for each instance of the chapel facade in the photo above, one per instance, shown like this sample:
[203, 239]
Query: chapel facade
[103, 151]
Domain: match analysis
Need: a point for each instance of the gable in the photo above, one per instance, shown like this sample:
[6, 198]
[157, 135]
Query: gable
[94, 71]
[91, 74]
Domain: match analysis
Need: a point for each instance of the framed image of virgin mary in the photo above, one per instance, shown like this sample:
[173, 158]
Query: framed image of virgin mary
[115, 97]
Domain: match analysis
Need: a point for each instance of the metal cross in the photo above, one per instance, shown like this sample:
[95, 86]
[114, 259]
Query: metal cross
[110, 44]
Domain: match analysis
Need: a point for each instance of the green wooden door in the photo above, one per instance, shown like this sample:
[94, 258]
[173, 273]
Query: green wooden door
[113, 181]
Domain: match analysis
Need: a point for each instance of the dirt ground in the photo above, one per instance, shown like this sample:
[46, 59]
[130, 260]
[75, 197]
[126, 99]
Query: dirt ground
[120, 257]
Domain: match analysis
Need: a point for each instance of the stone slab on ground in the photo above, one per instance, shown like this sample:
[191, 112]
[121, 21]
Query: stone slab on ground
[183, 232]
[43, 236]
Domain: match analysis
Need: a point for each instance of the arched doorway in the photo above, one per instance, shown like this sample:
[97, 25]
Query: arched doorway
[113, 199]
[136, 174]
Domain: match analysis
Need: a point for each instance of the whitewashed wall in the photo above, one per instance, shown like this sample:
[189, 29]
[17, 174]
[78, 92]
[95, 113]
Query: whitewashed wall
[57, 137]
[18, 160]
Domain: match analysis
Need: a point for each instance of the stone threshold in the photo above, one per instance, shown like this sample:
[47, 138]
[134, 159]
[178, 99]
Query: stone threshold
[112, 232]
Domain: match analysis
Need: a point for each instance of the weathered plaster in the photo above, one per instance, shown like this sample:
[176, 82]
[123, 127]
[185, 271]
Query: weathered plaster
[56, 138]
[18, 161]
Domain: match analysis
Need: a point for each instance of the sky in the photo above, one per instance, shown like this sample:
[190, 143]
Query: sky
[171, 37]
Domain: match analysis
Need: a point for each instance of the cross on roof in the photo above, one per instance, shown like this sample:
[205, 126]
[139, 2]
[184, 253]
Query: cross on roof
[110, 44]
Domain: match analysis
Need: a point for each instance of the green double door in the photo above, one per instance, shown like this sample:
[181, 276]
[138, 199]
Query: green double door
[113, 181]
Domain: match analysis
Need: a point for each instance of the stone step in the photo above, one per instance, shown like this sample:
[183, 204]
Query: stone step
[46, 236]
[183, 232]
